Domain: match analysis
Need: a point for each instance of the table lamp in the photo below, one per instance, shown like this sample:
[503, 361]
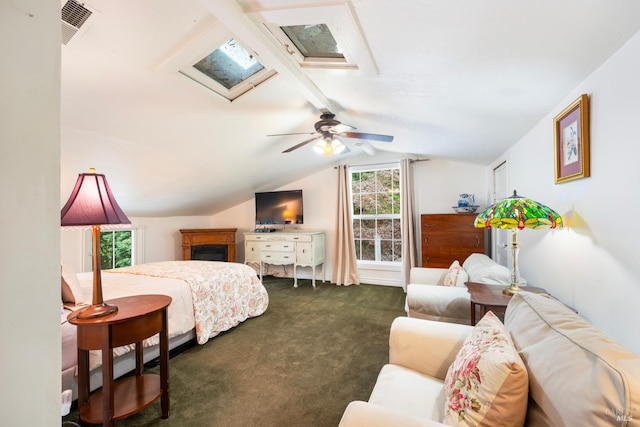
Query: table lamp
[92, 204]
[516, 213]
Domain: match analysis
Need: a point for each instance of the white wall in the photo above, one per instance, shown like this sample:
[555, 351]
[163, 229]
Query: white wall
[319, 204]
[593, 264]
[30, 214]
[439, 182]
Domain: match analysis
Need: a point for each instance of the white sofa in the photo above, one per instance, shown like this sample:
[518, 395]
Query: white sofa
[577, 376]
[429, 298]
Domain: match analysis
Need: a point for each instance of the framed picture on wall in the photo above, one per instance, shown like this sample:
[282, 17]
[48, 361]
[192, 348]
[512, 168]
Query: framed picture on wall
[571, 130]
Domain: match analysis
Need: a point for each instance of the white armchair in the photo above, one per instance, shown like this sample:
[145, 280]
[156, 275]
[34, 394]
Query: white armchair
[428, 297]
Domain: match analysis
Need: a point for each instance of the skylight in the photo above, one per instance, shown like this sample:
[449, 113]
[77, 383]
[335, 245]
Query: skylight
[229, 65]
[313, 41]
[319, 39]
[230, 70]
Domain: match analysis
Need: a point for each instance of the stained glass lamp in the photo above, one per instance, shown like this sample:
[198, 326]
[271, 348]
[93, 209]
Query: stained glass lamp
[517, 213]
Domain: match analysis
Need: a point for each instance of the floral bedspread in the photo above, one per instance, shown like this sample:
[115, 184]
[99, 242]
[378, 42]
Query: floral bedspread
[223, 293]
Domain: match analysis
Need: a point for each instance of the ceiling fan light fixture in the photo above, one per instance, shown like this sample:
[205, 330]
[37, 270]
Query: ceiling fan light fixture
[326, 147]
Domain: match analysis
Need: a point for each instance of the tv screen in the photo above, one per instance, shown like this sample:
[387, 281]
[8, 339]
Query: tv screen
[279, 207]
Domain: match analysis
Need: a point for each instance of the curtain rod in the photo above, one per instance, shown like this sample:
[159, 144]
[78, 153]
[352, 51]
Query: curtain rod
[386, 163]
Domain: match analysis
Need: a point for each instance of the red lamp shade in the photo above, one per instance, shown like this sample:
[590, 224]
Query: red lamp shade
[92, 203]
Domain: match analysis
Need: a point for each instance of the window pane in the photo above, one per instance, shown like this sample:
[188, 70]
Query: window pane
[386, 250]
[368, 204]
[229, 65]
[106, 250]
[368, 228]
[384, 180]
[357, 204]
[313, 40]
[385, 204]
[385, 228]
[397, 251]
[122, 249]
[368, 250]
[397, 229]
[357, 232]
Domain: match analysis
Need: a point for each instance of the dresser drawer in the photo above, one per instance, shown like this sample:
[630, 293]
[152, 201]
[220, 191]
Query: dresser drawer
[277, 246]
[278, 257]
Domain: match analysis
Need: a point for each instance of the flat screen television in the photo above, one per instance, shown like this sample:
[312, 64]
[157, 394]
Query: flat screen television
[279, 207]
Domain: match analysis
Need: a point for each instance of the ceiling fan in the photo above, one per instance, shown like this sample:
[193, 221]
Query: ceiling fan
[327, 128]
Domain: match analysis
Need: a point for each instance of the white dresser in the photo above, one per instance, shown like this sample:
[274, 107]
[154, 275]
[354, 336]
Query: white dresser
[297, 248]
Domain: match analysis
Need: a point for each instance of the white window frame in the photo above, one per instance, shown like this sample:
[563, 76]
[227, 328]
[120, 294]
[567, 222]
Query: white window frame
[369, 168]
[137, 249]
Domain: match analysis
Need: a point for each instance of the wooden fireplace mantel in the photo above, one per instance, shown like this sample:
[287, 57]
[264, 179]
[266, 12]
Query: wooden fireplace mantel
[209, 236]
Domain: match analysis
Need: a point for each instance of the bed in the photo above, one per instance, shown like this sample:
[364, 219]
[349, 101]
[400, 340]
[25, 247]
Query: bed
[208, 298]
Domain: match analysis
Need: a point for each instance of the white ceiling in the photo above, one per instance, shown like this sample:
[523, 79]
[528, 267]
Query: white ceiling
[457, 79]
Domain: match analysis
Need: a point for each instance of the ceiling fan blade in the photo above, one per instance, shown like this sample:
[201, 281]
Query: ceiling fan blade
[371, 136]
[305, 142]
[298, 133]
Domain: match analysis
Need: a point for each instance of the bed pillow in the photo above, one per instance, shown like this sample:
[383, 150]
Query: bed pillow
[452, 276]
[71, 290]
[487, 384]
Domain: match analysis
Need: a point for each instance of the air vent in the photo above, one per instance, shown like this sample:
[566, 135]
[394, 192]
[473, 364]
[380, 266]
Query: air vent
[74, 16]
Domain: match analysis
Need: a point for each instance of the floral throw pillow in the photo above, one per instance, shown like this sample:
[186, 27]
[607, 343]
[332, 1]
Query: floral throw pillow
[487, 384]
[452, 276]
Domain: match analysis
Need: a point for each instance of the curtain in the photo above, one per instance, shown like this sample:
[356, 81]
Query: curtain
[345, 267]
[407, 209]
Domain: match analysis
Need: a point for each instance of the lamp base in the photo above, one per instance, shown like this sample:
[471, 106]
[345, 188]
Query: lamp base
[97, 310]
[510, 291]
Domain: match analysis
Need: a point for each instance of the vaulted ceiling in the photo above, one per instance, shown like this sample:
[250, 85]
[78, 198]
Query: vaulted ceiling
[455, 79]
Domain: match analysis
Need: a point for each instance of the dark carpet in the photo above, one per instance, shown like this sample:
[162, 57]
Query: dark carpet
[299, 364]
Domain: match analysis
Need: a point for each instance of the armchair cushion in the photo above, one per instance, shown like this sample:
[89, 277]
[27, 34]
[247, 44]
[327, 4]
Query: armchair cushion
[483, 269]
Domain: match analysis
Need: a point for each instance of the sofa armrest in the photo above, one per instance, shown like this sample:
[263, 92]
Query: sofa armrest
[425, 346]
[360, 414]
[427, 275]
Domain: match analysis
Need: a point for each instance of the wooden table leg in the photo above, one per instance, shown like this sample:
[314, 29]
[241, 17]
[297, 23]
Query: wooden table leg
[83, 379]
[107, 378]
[164, 366]
[472, 314]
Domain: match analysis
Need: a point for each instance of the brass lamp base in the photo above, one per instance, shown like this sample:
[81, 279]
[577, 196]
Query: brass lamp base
[513, 289]
[97, 310]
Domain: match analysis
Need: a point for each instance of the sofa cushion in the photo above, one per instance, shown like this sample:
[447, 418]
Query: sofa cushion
[487, 383]
[578, 375]
[409, 392]
[452, 275]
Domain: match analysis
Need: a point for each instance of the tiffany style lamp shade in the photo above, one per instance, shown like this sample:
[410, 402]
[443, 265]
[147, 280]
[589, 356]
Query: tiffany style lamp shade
[517, 213]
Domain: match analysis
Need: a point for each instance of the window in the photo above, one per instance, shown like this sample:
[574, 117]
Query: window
[116, 249]
[313, 41]
[120, 247]
[376, 214]
[230, 70]
[320, 39]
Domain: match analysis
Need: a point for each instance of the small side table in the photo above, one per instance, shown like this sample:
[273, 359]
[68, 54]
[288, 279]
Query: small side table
[138, 317]
[490, 297]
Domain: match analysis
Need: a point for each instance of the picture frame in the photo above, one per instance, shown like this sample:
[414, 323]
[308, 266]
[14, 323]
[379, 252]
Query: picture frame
[571, 132]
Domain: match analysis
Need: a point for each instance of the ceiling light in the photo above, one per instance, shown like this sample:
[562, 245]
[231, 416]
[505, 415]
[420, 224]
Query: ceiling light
[329, 145]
